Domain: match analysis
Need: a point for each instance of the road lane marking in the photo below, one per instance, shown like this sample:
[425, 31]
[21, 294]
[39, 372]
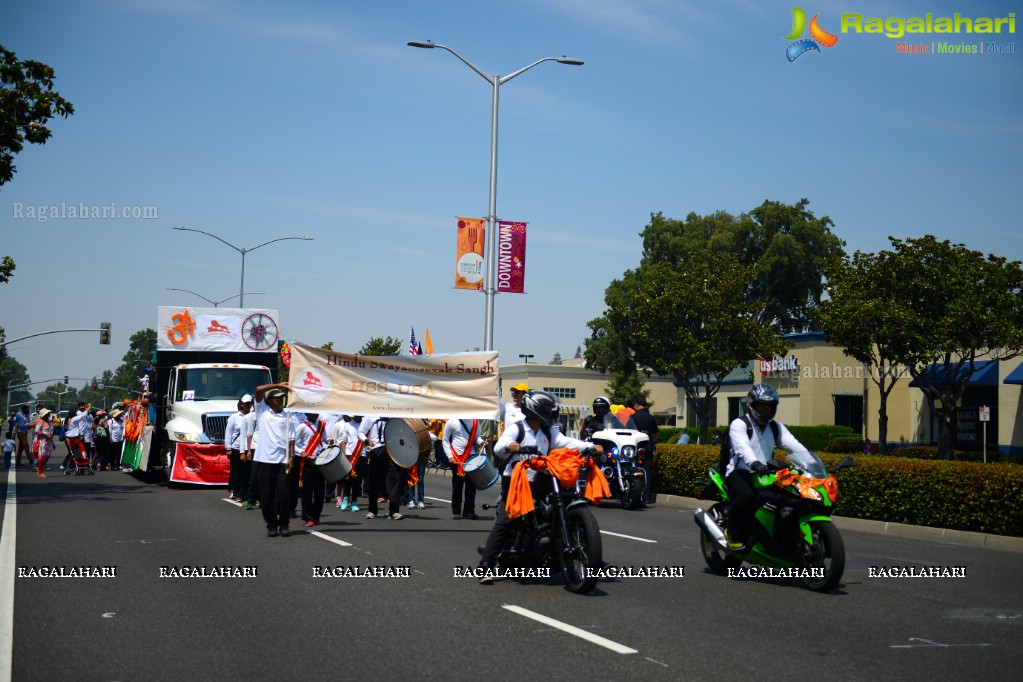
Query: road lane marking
[572, 630]
[328, 538]
[7, 544]
[230, 501]
[627, 537]
[437, 499]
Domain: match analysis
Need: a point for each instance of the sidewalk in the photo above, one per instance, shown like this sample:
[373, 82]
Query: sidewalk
[959, 538]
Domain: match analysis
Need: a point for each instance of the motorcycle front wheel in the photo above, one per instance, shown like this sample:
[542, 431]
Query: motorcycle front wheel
[582, 558]
[827, 555]
[718, 560]
[633, 498]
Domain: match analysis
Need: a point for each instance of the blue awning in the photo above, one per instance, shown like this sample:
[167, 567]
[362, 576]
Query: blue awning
[984, 374]
[1015, 376]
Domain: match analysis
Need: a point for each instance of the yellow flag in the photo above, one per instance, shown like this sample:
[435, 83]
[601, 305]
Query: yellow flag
[429, 343]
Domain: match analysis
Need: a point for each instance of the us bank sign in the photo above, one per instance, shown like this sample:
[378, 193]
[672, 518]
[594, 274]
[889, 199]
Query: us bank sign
[780, 366]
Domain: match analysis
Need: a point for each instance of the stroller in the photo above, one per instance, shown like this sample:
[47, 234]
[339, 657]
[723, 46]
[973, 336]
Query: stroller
[76, 463]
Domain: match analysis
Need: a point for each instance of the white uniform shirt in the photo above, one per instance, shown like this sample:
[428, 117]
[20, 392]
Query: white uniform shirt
[372, 429]
[274, 434]
[235, 433]
[456, 438]
[535, 439]
[304, 433]
[116, 429]
[509, 414]
[348, 436]
[760, 446]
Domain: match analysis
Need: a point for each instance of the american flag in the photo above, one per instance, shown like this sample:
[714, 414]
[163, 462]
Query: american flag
[413, 347]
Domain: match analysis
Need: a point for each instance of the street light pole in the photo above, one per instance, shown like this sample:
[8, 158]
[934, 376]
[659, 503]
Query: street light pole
[242, 251]
[496, 82]
[216, 303]
[525, 357]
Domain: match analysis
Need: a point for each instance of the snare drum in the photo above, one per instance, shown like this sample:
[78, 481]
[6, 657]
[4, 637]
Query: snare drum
[407, 440]
[333, 464]
[481, 472]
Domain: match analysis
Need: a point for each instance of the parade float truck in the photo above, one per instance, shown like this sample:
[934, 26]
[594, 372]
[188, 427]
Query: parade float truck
[206, 359]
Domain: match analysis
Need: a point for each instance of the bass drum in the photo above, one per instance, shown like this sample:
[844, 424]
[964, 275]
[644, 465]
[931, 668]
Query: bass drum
[407, 441]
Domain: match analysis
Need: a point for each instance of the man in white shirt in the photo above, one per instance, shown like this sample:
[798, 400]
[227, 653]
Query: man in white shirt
[236, 442]
[539, 430]
[462, 442]
[307, 443]
[275, 428]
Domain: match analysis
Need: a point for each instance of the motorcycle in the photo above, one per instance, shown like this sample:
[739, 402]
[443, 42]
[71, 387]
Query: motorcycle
[625, 451]
[792, 528]
[560, 530]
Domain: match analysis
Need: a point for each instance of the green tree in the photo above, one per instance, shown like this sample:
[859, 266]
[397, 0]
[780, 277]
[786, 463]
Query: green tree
[863, 315]
[7, 267]
[13, 373]
[27, 102]
[690, 321]
[141, 346]
[381, 346]
[957, 307]
[578, 352]
[786, 246]
[556, 360]
[608, 353]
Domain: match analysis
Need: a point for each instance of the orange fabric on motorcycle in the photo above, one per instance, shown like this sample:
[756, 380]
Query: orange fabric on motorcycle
[564, 465]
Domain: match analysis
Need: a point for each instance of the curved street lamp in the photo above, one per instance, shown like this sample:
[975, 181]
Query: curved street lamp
[242, 251]
[496, 82]
[216, 303]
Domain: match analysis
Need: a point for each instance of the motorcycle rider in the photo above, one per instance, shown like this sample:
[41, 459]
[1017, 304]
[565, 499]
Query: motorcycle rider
[750, 454]
[537, 430]
[600, 419]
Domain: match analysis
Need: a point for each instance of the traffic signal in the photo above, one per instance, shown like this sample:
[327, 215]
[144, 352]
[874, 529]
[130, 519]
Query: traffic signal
[95, 385]
[65, 380]
[104, 333]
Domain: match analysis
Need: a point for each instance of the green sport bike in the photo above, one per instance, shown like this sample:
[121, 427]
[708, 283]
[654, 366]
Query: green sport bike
[792, 534]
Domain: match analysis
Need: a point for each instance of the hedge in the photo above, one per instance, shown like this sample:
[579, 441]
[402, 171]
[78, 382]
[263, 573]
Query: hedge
[816, 438]
[971, 496]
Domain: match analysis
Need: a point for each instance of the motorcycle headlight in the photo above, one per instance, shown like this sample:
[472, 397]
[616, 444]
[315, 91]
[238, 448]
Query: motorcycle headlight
[629, 451]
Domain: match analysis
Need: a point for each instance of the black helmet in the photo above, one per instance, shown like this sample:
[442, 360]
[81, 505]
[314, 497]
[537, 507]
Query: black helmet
[763, 394]
[541, 406]
[601, 401]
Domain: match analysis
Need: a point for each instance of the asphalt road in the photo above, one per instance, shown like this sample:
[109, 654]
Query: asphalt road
[284, 623]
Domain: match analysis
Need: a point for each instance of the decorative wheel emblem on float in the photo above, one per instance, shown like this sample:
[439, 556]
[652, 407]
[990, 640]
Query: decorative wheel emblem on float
[259, 331]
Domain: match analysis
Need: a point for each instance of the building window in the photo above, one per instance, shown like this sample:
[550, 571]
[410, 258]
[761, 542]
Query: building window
[560, 392]
[849, 411]
[736, 408]
[693, 420]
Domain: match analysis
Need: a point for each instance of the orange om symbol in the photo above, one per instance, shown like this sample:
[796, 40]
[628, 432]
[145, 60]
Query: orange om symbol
[179, 333]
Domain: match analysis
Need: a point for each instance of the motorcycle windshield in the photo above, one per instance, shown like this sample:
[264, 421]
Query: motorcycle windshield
[807, 463]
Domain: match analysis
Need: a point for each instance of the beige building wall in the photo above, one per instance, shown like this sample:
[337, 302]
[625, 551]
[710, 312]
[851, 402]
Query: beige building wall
[576, 387]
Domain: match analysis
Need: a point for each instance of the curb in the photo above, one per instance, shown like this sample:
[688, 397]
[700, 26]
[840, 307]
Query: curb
[959, 538]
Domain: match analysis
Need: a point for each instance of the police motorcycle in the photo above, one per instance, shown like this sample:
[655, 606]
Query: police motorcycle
[622, 463]
[560, 532]
[792, 531]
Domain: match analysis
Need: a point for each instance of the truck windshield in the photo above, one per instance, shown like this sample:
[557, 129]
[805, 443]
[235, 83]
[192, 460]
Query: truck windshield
[220, 383]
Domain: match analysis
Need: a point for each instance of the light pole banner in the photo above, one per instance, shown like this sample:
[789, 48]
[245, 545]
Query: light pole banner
[511, 257]
[457, 385]
[216, 329]
[472, 234]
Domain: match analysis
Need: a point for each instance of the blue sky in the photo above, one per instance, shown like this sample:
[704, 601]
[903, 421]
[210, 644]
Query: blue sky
[258, 120]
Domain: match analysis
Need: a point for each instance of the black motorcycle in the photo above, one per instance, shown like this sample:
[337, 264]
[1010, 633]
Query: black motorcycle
[561, 530]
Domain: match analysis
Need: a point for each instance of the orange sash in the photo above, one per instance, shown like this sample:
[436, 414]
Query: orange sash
[460, 460]
[355, 458]
[564, 465]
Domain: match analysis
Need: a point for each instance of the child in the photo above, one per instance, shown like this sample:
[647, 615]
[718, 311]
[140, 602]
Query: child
[9, 445]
